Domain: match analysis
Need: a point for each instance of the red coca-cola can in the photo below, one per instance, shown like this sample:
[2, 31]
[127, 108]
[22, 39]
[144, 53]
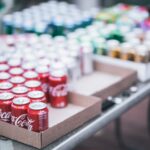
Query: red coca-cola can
[28, 66]
[44, 62]
[3, 60]
[5, 106]
[14, 63]
[33, 85]
[37, 96]
[43, 73]
[4, 68]
[19, 109]
[20, 91]
[38, 117]
[16, 71]
[4, 76]
[58, 86]
[5, 87]
[30, 75]
[17, 80]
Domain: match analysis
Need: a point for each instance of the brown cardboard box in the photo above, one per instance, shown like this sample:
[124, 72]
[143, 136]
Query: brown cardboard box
[106, 80]
[143, 69]
[80, 110]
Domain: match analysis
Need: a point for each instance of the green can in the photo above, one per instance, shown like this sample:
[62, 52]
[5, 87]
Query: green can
[58, 26]
[7, 24]
[100, 46]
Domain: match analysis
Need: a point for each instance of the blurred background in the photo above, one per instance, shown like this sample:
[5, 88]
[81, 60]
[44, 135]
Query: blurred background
[83, 4]
[135, 135]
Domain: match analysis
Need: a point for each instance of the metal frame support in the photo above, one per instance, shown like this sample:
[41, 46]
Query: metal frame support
[92, 127]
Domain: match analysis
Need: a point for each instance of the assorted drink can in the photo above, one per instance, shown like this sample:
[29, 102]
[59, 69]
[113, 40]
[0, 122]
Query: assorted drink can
[33, 85]
[52, 17]
[30, 75]
[122, 42]
[5, 106]
[4, 76]
[19, 110]
[37, 96]
[43, 74]
[17, 80]
[38, 117]
[58, 89]
[20, 91]
[37, 70]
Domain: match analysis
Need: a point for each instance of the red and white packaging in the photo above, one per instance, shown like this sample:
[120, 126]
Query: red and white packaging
[5, 87]
[37, 117]
[37, 96]
[10, 40]
[20, 91]
[4, 76]
[3, 60]
[44, 62]
[43, 74]
[4, 68]
[17, 80]
[58, 88]
[16, 71]
[33, 85]
[14, 63]
[31, 75]
[28, 66]
[5, 106]
[19, 109]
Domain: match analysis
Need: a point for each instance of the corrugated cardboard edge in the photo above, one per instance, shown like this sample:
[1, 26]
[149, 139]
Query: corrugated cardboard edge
[143, 69]
[129, 76]
[20, 134]
[73, 122]
[113, 69]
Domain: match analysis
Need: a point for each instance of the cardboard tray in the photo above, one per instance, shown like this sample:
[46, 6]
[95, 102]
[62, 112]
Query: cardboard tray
[143, 69]
[61, 121]
[106, 80]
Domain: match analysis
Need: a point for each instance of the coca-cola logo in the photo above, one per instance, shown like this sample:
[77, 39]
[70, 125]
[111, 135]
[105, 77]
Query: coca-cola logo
[20, 121]
[59, 90]
[29, 123]
[5, 116]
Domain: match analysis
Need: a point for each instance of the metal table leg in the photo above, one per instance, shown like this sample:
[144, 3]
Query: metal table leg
[119, 136]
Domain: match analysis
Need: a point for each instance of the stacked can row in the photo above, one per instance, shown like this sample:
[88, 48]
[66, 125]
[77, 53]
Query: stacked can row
[24, 94]
[123, 42]
[31, 51]
[55, 18]
[35, 70]
[124, 14]
[20, 112]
